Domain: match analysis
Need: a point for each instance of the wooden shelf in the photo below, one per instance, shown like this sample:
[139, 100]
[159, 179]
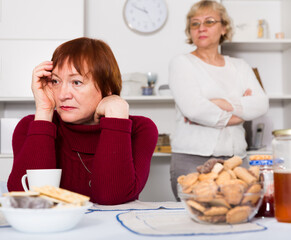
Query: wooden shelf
[258, 45]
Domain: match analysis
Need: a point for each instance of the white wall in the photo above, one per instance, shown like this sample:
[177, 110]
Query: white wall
[135, 52]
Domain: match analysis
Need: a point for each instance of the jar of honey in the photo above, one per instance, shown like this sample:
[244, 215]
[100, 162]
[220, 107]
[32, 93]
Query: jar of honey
[266, 174]
[281, 145]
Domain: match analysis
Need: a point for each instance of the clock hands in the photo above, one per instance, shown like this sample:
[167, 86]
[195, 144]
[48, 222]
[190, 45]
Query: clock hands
[140, 9]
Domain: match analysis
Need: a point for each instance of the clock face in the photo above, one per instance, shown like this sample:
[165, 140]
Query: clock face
[145, 16]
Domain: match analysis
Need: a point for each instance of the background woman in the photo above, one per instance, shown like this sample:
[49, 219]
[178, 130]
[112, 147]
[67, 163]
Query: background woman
[82, 126]
[214, 94]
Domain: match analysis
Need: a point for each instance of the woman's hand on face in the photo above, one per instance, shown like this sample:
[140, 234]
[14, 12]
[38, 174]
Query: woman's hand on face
[42, 92]
[112, 106]
[222, 104]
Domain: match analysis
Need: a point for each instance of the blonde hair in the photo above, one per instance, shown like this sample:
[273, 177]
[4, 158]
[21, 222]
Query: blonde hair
[215, 6]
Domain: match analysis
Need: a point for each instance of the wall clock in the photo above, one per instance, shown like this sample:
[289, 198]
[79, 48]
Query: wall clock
[145, 16]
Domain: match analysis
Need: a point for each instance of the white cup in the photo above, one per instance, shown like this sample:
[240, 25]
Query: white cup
[41, 177]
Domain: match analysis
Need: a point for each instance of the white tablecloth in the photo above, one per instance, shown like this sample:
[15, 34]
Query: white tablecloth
[104, 224]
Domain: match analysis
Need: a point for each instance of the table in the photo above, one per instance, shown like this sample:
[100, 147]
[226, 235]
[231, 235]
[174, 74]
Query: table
[104, 225]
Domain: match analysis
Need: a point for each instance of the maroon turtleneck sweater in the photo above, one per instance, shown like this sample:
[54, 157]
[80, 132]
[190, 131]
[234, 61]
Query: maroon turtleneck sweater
[117, 152]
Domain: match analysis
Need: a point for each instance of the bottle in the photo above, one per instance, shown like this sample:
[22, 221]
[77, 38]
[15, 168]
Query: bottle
[262, 29]
[266, 174]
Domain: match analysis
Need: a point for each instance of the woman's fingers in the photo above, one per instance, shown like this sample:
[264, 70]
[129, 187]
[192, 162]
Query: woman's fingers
[43, 69]
[248, 92]
[112, 106]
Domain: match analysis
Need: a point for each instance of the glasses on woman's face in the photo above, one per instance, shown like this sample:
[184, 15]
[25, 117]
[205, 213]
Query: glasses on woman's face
[209, 22]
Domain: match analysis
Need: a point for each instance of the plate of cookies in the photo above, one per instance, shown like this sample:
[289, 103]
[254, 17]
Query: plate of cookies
[222, 192]
[45, 209]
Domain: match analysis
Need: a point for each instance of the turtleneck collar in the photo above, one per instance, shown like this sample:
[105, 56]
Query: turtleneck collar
[81, 138]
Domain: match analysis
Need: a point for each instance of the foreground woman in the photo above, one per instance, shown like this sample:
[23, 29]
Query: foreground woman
[82, 126]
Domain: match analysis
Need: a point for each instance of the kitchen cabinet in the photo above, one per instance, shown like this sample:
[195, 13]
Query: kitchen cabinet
[41, 19]
[30, 30]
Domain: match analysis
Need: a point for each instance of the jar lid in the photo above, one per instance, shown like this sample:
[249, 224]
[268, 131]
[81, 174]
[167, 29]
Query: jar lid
[281, 132]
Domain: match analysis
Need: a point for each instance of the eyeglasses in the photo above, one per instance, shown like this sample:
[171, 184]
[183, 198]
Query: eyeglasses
[207, 23]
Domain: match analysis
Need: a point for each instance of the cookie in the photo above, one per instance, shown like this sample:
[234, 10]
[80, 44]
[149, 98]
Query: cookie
[189, 179]
[62, 195]
[196, 205]
[223, 178]
[253, 194]
[233, 162]
[208, 165]
[215, 211]
[207, 176]
[217, 168]
[231, 173]
[238, 214]
[21, 194]
[255, 171]
[244, 175]
[213, 219]
[205, 191]
[233, 193]
[219, 201]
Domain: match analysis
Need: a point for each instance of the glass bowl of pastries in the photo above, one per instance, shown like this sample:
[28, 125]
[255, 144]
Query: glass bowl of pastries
[46, 209]
[222, 192]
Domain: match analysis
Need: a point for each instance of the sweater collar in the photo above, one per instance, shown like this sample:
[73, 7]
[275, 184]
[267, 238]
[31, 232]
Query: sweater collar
[81, 138]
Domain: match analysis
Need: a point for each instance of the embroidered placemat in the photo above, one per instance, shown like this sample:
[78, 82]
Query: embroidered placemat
[177, 223]
[138, 205]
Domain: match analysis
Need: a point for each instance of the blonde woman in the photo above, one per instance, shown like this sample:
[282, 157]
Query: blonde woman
[214, 94]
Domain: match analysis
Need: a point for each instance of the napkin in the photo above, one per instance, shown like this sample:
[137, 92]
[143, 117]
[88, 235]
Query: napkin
[138, 205]
[177, 223]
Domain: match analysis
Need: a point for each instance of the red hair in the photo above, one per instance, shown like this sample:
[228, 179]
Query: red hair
[91, 57]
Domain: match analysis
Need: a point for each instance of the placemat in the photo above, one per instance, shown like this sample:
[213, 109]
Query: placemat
[177, 223]
[138, 205]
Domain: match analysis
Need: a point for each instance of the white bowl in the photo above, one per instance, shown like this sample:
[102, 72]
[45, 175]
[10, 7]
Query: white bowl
[44, 220]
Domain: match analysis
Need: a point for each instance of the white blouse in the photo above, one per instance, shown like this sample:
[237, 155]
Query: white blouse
[193, 84]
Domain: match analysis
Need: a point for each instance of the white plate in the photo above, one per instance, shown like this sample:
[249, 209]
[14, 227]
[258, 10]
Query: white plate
[44, 220]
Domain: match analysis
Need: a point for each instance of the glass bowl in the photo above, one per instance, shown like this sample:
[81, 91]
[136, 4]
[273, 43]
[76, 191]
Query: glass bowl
[225, 204]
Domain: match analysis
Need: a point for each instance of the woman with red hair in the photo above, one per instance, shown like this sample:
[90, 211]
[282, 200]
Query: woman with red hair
[83, 126]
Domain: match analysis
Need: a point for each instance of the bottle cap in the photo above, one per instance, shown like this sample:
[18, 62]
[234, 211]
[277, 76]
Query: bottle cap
[282, 132]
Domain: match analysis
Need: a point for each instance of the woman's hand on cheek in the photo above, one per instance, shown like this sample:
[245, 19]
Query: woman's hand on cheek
[112, 106]
[43, 95]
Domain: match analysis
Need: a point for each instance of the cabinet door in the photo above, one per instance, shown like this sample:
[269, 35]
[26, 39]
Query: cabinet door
[18, 58]
[5, 169]
[41, 19]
